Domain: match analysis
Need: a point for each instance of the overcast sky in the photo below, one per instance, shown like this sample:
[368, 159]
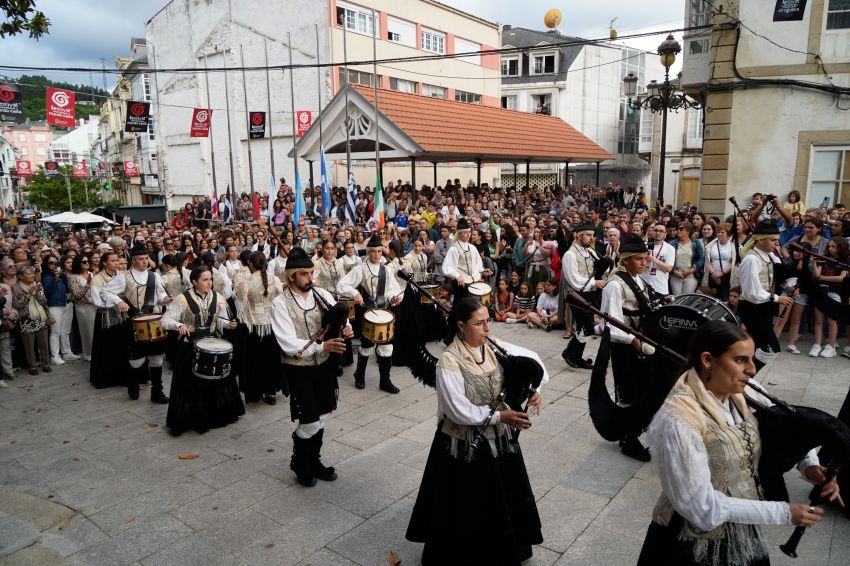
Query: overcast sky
[84, 31]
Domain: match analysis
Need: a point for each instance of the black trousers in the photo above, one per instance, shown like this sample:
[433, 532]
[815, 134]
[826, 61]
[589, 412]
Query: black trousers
[758, 318]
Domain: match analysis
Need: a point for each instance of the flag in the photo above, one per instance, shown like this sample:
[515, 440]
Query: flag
[214, 203]
[299, 200]
[351, 200]
[272, 197]
[379, 210]
[256, 206]
[326, 189]
[229, 200]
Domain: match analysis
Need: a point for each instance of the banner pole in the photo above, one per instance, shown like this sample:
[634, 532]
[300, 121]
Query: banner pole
[347, 120]
[209, 105]
[229, 135]
[375, 82]
[319, 84]
[269, 112]
[292, 105]
[247, 125]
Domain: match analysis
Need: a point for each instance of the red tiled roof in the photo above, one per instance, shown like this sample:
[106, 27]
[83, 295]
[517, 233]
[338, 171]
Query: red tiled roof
[449, 128]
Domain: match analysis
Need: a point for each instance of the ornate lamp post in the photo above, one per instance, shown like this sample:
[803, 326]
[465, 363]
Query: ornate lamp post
[659, 98]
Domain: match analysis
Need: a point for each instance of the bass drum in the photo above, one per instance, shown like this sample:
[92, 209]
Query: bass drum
[675, 323]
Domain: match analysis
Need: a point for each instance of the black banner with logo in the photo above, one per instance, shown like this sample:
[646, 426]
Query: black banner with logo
[256, 125]
[51, 168]
[138, 116]
[789, 10]
[11, 103]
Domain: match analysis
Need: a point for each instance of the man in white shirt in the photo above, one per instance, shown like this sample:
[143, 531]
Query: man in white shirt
[661, 258]
[463, 262]
[578, 267]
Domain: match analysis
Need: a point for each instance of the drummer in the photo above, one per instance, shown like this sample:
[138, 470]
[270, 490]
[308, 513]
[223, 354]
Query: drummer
[371, 285]
[462, 263]
[200, 403]
[139, 291]
[296, 318]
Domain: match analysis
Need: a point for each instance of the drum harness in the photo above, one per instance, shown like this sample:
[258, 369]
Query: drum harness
[380, 288]
[644, 305]
[150, 290]
[201, 330]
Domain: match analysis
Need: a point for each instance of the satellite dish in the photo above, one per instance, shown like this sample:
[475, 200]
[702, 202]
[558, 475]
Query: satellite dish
[612, 33]
[552, 19]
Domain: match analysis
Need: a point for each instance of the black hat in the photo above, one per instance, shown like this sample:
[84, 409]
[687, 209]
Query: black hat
[584, 227]
[374, 242]
[139, 249]
[298, 259]
[463, 224]
[766, 228]
[632, 245]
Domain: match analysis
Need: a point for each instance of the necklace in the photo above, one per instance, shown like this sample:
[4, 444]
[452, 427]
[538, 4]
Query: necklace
[472, 352]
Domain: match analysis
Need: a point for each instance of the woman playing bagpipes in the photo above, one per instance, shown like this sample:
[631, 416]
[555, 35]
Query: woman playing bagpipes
[707, 445]
[475, 504]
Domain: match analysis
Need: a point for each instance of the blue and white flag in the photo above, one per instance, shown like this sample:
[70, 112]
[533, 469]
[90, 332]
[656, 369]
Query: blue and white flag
[351, 200]
[326, 189]
[272, 197]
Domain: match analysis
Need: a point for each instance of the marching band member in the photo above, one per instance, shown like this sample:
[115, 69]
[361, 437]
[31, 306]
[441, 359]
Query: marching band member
[277, 264]
[462, 263]
[232, 265]
[260, 374]
[350, 259]
[416, 262]
[296, 317]
[578, 267]
[199, 403]
[626, 298]
[330, 272]
[139, 291]
[372, 285]
[109, 341]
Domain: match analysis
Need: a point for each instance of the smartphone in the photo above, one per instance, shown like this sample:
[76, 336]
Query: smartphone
[825, 203]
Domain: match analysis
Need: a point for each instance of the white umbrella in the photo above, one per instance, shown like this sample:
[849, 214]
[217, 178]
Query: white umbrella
[88, 218]
[61, 218]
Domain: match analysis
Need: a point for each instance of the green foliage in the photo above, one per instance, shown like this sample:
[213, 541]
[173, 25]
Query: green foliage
[35, 105]
[20, 16]
[51, 193]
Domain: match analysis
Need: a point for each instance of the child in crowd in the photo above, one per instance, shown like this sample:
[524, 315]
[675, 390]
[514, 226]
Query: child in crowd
[504, 302]
[524, 303]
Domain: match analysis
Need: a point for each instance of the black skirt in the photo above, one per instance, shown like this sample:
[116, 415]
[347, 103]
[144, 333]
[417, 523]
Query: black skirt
[479, 512]
[260, 371]
[662, 547]
[200, 404]
[109, 367]
[314, 390]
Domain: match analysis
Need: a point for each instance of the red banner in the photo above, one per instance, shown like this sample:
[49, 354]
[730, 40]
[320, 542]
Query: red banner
[200, 123]
[60, 107]
[80, 170]
[24, 168]
[305, 119]
[101, 169]
[130, 169]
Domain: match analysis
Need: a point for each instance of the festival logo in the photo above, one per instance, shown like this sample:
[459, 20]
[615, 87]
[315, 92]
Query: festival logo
[305, 120]
[138, 116]
[51, 168]
[80, 170]
[11, 103]
[23, 168]
[60, 107]
[130, 168]
[257, 125]
[200, 123]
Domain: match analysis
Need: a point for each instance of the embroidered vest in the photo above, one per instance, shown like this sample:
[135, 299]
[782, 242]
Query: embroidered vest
[765, 271]
[134, 292]
[465, 262]
[307, 323]
[584, 265]
[328, 275]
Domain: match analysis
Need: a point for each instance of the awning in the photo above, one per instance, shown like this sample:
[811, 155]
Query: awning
[424, 128]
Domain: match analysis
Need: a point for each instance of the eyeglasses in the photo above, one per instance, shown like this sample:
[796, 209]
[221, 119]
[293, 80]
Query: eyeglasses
[84, 261]
[481, 323]
[51, 263]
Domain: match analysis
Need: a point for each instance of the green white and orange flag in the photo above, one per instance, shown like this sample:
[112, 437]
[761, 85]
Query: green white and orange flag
[379, 210]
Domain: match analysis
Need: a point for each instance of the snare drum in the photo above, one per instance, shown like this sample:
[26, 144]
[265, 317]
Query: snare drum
[432, 290]
[147, 328]
[675, 323]
[212, 358]
[481, 291]
[378, 326]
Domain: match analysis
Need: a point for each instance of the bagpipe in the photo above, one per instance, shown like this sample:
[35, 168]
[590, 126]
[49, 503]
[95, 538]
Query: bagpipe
[818, 295]
[522, 375]
[334, 319]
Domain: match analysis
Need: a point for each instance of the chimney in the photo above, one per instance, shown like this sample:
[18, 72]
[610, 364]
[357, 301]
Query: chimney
[506, 27]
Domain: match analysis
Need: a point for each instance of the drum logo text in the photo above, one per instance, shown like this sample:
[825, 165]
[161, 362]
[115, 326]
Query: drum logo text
[669, 322]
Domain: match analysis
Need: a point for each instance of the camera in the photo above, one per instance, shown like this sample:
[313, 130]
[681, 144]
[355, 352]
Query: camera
[650, 245]
[769, 198]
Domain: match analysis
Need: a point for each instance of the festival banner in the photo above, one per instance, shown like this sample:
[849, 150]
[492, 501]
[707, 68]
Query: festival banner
[11, 103]
[101, 169]
[130, 169]
[80, 170]
[51, 168]
[305, 119]
[60, 107]
[137, 116]
[23, 168]
[256, 125]
[200, 123]
[789, 10]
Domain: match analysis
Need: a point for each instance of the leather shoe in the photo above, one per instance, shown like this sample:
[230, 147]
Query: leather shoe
[157, 396]
[632, 448]
[586, 364]
[568, 359]
[133, 391]
[46, 369]
[270, 399]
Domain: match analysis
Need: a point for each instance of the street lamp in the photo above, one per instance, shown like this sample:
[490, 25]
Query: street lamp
[660, 98]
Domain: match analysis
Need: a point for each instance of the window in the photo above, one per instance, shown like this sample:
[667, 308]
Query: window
[541, 104]
[647, 124]
[543, 64]
[510, 67]
[433, 90]
[402, 85]
[400, 31]
[433, 41]
[693, 137]
[146, 83]
[355, 18]
[41, 151]
[838, 14]
[830, 176]
[699, 14]
[41, 138]
[151, 130]
[22, 137]
[463, 46]
[24, 151]
[356, 77]
[471, 97]
[509, 102]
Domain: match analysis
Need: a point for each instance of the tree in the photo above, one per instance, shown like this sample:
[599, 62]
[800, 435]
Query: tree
[21, 16]
[51, 193]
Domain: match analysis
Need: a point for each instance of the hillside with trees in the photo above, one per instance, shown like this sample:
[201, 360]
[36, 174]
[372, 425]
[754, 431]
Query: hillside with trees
[35, 105]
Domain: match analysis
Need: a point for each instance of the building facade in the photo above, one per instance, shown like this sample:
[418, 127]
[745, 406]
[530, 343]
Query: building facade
[31, 141]
[185, 34]
[551, 73]
[7, 166]
[75, 146]
[775, 117]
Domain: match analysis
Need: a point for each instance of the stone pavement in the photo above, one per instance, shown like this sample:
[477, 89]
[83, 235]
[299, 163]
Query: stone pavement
[109, 486]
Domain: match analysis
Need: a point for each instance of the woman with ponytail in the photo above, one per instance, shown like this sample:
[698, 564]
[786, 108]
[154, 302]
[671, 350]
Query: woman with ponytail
[260, 369]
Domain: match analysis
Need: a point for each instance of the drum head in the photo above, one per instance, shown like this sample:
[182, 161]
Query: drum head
[675, 323]
[379, 316]
[147, 317]
[215, 345]
[479, 289]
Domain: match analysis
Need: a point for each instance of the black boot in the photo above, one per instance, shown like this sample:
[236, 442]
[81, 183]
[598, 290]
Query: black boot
[301, 462]
[133, 378]
[631, 447]
[583, 363]
[322, 472]
[157, 395]
[384, 367]
[348, 355]
[360, 372]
